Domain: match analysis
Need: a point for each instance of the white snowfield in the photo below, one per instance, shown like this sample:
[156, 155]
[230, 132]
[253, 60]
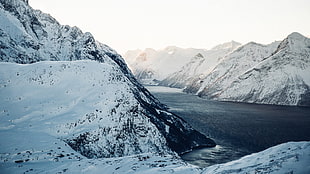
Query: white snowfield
[45, 103]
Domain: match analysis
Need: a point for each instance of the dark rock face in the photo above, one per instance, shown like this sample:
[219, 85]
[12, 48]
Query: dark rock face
[180, 136]
[42, 38]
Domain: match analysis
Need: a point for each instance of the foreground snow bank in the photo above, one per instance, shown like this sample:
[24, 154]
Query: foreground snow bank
[292, 157]
[42, 153]
[37, 152]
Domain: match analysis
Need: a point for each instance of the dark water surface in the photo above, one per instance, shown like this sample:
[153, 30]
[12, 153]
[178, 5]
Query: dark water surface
[238, 128]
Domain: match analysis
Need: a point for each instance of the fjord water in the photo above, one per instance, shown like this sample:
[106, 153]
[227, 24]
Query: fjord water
[239, 129]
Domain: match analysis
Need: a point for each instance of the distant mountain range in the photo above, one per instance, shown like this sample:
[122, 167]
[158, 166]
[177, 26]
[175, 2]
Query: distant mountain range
[277, 73]
[151, 66]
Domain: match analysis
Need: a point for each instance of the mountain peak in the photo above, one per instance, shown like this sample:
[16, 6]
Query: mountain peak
[227, 45]
[295, 35]
[294, 41]
[171, 49]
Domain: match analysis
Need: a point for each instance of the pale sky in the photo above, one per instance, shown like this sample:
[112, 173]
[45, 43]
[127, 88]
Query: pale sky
[131, 24]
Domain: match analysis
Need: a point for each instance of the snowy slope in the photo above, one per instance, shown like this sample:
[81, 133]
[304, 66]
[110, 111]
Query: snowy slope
[262, 74]
[199, 65]
[97, 115]
[50, 155]
[230, 67]
[290, 157]
[113, 114]
[34, 152]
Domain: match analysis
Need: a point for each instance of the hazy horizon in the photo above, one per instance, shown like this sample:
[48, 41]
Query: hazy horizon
[138, 24]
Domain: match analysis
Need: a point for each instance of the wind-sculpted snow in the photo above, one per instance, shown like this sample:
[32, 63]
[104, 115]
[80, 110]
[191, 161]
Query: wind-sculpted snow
[97, 107]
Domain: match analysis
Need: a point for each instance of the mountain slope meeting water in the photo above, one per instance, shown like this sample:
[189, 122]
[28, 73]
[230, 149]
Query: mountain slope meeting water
[283, 78]
[29, 36]
[277, 73]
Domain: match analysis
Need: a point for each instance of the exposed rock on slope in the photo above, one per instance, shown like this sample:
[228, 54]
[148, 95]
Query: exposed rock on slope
[113, 114]
[230, 67]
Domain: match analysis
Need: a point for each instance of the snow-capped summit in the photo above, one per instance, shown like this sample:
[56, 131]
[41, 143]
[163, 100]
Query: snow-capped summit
[227, 45]
[296, 35]
[296, 42]
[79, 91]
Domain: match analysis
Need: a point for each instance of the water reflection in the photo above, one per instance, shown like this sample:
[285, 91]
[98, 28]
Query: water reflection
[216, 155]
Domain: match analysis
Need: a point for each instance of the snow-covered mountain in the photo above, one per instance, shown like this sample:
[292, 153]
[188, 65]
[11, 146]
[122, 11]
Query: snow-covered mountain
[150, 66]
[94, 105]
[277, 73]
[199, 65]
[232, 65]
[153, 66]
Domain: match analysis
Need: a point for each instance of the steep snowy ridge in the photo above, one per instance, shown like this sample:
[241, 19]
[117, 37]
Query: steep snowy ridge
[113, 114]
[281, 78]
[30, 36]
[180, 78]
[199, 65]
[230, 67]
[97, 116]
